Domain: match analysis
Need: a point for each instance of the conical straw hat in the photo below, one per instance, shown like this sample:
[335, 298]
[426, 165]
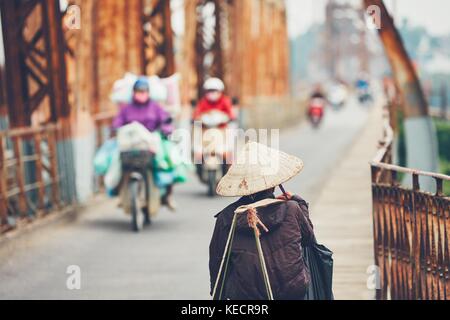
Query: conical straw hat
[258, 168]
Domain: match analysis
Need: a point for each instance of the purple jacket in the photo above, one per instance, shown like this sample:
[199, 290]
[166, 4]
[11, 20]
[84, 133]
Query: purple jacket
[152, 116]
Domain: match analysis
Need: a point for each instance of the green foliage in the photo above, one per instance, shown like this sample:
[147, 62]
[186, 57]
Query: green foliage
[445, 169]
[443, 135]
[401, 143]
[443, 132]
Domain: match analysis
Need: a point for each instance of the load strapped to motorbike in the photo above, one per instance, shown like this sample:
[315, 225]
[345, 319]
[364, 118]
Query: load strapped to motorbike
[139, 165]
[213, 156]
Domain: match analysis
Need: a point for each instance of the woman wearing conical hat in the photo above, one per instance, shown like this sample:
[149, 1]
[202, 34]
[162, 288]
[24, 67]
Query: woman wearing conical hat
[273, 267]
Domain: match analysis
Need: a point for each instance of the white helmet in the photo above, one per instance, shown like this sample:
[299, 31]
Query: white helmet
[214, 84]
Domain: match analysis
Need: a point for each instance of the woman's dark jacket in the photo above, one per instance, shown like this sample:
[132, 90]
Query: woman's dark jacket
[289, 228]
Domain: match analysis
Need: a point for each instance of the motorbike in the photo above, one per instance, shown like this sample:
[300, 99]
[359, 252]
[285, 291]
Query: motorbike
[363, 92]
[364, 96]
[140, 197]
[337, 96]
[316, 111]
[212, 161]
[137, 187]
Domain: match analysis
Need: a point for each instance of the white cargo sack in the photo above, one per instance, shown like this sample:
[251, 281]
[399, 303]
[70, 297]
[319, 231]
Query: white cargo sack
[173, 102]
[158, 91]
[165, 91]
[114, 173]
[136, 137]
[122, 92]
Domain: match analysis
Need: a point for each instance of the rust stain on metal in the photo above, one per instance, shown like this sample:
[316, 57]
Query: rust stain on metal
[411, 232]
[236, 48]
[33, 51]
[403, 68]
[14, 187]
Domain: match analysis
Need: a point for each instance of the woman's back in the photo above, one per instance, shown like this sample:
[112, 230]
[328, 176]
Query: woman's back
[289, 227]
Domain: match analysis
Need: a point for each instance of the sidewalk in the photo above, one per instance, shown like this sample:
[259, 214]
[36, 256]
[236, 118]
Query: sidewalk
[342, 214]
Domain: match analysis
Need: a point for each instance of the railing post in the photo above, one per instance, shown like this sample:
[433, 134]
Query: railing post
[3, 186]
[416, 184]
[447, 251]
[20, 175]
[53, 154]
[374, 172]
[394, 181]
[439, 187]
[39, 169]
[416, 239]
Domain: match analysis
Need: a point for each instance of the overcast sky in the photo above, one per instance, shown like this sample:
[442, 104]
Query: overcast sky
[432, 14]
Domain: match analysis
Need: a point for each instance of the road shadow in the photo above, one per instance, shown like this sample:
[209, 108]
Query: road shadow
[117, 225]
[123, 225]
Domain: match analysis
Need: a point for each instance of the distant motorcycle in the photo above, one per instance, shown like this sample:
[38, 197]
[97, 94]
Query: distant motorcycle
[363, 92]
[316, 111]
[364, 96]
[337, 96]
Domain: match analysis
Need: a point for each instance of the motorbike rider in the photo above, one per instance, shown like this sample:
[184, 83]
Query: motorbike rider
[317, 93]
[362, 83]
[214, 99]
[151, 115]
[317, 102]
[363, 89]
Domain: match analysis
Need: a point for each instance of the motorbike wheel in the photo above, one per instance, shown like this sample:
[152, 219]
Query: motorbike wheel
[137, 218]
[211, 183]
[147, 219]
[199, 169]
[315, 123]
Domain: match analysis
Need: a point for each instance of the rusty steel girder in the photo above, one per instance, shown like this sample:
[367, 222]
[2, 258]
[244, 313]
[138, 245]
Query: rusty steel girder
[420, 133]
[243, 42]
[34, 54]
[158, 51]
[209, 56]
[415, 104]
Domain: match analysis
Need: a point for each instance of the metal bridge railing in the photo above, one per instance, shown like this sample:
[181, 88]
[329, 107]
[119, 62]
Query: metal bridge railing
[34, 177]
[411, 230]
[102, 122]
[29, 183]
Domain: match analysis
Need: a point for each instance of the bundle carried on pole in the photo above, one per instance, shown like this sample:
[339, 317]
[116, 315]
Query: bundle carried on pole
[318, 258]
[254, 222]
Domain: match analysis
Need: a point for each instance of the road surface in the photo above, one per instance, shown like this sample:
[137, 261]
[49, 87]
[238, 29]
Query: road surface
[169, 260]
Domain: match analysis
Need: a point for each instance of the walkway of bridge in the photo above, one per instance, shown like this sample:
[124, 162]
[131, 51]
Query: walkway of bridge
[343, 214]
